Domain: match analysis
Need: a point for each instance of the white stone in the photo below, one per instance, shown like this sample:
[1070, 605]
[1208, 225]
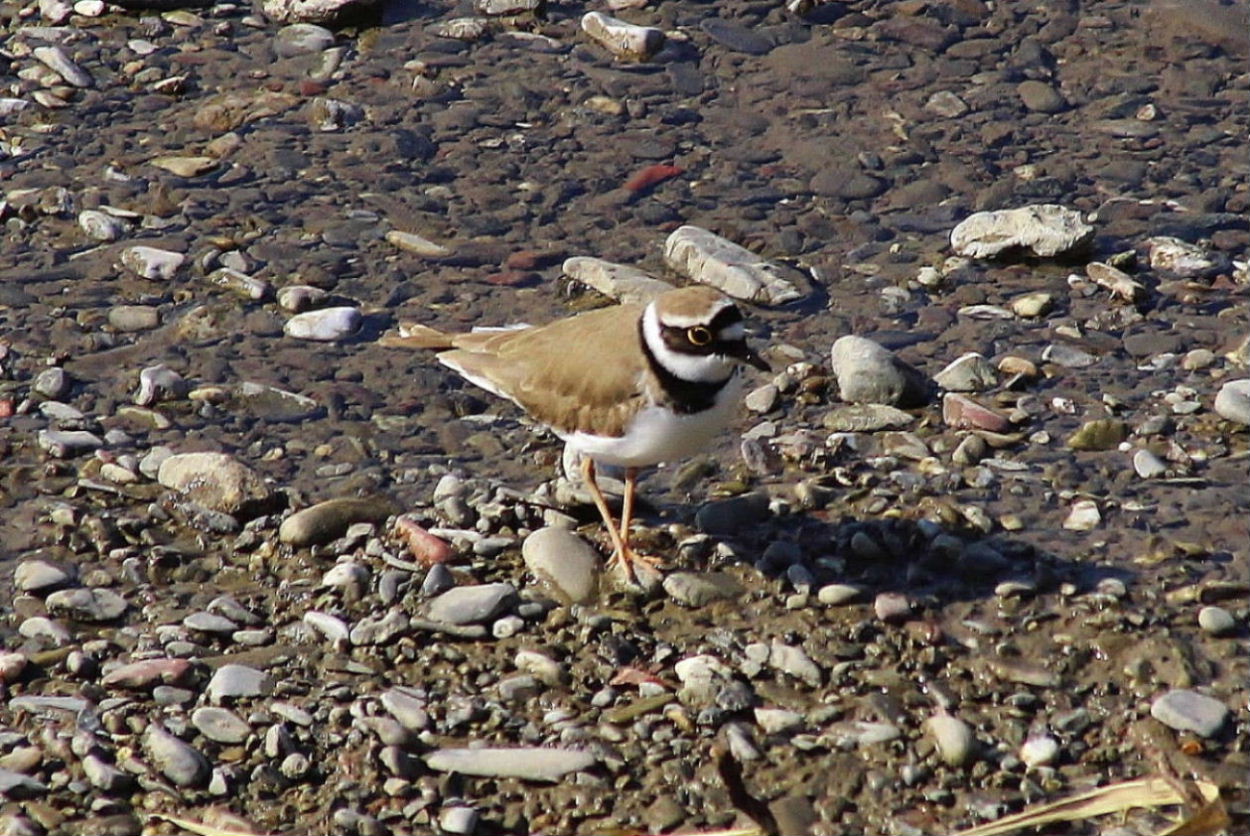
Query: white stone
[616, 281]
[152, 263]
[1045, 229]
[622, 39]
[1039, 751]
[324, 325]
[533, 764]
[55, 58]
[969, 373]
[101, 226]
[1232, 403]
[1084, 516]
[707, 258]
[1179, 257]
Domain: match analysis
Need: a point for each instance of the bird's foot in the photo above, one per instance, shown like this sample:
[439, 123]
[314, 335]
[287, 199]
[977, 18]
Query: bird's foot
[639, 570]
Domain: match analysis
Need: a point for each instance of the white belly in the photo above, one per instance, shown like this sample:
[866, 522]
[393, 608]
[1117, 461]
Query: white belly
[657, 435]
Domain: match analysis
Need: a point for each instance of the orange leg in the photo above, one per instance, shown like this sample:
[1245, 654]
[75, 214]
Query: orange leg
[639, 568]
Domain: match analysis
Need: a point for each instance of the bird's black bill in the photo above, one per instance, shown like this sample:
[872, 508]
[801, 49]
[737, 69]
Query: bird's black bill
[742, 351]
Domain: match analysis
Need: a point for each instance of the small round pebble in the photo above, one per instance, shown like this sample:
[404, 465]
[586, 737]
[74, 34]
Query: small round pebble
[1217, 621]
[955, 741]
[1039, 751]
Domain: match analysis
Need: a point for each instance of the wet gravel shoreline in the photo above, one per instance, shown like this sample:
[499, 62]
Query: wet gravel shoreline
[254, 561]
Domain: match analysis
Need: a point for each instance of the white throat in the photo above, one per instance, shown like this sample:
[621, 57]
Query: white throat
[694, 368]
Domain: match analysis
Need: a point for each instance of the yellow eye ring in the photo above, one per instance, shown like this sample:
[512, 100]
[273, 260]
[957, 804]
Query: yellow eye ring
[699, 336]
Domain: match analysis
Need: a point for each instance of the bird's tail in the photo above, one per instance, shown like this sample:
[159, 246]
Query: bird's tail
[415, 335]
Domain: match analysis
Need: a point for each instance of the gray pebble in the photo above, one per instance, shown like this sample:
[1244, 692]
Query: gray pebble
[131, 318]
[220, 725]
[104, 775]
[472, 604]
[725, 516]
[234, 681]
[507, 626]
[708, 258]
[870, 373]
[274, 404]
[1148, 465]
[159, 383]
[1186, 710]
[226, 605]
[179, 762]
[301, 39]
[762, 399]
[63, 444]
[892, 607]
[333, 628]
[95, 604]
[295, 766]
[458, 819]
[437, 580]
[777, 720]
[207, 622]
[407, 708]
[45, 629]
[866, 417]
[292, 713]
[1070, 357]
[101, 226]
[300, 297]
[52, 383]
[861, 733]
[39, 705]
[1217, 621]
[346, 575]
[374, 630]
[794, 661]
[15, 785]
[970, 373]
[698, 589]
[1041, 97]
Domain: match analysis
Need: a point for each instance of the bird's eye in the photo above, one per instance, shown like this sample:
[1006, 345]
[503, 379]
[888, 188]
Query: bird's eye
[699, 335]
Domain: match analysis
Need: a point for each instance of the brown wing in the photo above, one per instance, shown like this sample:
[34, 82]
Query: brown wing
[585, 373]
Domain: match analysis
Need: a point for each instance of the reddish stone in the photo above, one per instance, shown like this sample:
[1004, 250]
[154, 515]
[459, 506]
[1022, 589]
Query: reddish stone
[308, 87]
[6, 408]
[963, 413]
[650, 176]
[424, 546]
[149, 673]
[524, 260]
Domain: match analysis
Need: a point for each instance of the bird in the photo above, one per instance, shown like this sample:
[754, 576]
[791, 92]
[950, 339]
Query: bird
[630, 385]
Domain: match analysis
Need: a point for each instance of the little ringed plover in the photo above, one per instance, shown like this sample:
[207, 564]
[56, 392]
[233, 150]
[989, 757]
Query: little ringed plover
[628, 385]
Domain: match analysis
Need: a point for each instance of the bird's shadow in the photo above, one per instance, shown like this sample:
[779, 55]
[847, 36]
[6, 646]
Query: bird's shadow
[927, 561]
